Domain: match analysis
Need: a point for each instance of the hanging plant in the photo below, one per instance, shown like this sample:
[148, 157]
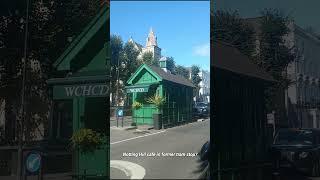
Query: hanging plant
[86, 140]
[136, 105]
[157, 100]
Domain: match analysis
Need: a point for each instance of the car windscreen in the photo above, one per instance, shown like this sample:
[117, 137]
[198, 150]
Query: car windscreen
[201, 104]
[294, 137]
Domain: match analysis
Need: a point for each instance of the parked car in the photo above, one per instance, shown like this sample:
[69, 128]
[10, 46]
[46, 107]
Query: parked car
[298, 148]
[201, 109]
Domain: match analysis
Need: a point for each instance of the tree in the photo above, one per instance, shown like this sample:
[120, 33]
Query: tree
[230, 29]
[129, 63]
[147, 58]
[182, 71]
[195, 79]
[129, 59]
[171, 65]
[274, 55]
[51, 23]
[116, 45]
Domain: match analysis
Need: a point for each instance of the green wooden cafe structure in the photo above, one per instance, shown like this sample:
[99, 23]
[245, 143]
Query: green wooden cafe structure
[149, 80]
[81, 96]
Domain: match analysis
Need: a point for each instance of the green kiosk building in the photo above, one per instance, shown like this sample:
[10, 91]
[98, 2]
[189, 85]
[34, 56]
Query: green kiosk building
[81, 96]
[148, 81]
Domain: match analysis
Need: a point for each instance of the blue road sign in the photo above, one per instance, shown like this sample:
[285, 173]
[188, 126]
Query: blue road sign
[120, 112]
[33, 162]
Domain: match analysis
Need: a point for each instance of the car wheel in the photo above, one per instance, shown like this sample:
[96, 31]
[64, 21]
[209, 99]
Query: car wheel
[315, 171]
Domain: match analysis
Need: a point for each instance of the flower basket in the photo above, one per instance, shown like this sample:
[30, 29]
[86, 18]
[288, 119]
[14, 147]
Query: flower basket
[136, 105]
[86, 140]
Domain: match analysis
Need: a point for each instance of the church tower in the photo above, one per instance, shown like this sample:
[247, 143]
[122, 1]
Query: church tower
[152, 45]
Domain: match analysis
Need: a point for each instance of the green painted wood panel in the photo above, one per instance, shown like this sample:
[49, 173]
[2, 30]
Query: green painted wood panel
[97, 26]
[98, 62]
[145, 77]
[144, 115]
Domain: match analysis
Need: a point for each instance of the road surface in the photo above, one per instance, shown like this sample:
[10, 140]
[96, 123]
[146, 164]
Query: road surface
[163, 154]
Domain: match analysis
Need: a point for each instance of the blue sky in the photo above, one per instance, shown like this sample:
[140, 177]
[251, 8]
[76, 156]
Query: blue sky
[305, 13]
[182, 27]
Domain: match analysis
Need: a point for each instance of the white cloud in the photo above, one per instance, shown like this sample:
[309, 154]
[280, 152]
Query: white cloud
[202, 50]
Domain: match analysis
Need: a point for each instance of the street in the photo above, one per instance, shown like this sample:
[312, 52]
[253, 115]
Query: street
[165, 154]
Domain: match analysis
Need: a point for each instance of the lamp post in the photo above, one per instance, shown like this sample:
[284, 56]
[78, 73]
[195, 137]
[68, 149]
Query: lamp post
[21, 124]
[117, 92]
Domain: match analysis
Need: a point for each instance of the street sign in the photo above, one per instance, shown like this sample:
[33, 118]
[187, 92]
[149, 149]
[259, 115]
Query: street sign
[33, 162]
[120, 112]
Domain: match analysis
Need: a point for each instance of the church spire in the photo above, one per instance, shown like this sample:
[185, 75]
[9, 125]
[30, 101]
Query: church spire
[152, 39]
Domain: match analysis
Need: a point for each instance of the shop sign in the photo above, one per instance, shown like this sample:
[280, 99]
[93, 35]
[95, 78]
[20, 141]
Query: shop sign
[140, 89]
[82, 90]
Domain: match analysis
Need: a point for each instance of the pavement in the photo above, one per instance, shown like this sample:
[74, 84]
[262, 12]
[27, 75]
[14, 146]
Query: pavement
[58, 176]
[160, 154]
[118, 173]
[125, 122]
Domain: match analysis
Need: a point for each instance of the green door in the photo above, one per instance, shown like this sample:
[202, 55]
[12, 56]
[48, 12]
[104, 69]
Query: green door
[144, 115]
[96, 163]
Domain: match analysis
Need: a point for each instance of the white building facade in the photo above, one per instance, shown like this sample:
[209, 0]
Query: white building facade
[204, 91]
[151, 46]
[303, 96]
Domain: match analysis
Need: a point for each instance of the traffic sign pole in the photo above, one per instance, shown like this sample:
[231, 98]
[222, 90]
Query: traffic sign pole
[122, 121]
[117, 118]
[119, 114]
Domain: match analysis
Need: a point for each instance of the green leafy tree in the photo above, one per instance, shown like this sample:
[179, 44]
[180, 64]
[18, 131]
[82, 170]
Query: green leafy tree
[52, 24]
[195, 78]
[182, 71]
[147, 58]
[230, 29]
[171, 65]
[274, 56]
[116, 45]
[130, 62]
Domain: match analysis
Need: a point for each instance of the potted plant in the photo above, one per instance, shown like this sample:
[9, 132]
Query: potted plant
[135, 106]
[158, 101]
[86, 140]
